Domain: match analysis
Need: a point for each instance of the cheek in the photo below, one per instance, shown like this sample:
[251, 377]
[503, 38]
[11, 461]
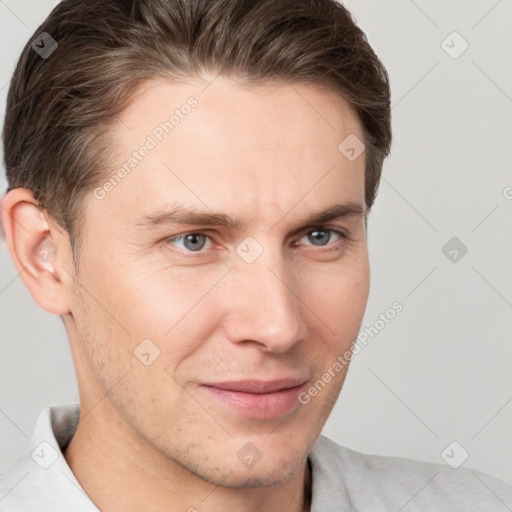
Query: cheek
[339, 298]
[164, 305]
[98, 335]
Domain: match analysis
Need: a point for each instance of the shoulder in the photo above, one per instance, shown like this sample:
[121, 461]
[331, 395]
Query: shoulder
[380, 482]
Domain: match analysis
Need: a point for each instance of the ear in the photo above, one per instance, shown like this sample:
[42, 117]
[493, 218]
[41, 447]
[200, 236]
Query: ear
[40, 250]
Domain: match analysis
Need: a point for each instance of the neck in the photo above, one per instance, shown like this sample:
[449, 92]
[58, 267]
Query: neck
[120, 471]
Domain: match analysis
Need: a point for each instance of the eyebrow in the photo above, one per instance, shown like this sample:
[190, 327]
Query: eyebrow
[180, 214]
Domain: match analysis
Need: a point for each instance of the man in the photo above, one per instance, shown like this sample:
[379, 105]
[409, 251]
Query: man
[189, 185]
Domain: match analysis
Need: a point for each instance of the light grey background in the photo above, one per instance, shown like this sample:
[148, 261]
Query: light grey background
[440, 371]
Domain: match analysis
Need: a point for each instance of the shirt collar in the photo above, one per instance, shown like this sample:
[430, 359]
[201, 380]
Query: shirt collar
[57, 484]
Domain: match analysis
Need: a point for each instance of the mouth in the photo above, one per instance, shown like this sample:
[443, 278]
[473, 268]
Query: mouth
[257, 399]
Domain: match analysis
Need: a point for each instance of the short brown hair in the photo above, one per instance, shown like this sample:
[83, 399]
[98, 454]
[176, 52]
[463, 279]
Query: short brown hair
[59, 109]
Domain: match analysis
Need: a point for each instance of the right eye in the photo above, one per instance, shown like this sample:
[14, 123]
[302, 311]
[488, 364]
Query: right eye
[192, 242]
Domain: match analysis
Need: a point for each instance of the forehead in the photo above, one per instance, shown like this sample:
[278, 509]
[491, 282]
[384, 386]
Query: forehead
[227, 147]
[223, 105]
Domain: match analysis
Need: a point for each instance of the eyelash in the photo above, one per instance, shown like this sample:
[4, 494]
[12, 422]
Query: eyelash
[342, 234]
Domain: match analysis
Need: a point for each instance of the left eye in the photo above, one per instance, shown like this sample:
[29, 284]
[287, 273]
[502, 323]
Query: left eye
[195, 242]
[319, 236]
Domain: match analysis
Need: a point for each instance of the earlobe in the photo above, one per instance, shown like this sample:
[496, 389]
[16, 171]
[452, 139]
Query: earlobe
[39, 251]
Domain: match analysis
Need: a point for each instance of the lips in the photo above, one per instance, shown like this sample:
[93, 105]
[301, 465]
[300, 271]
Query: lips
[257, 386]
[256, 399]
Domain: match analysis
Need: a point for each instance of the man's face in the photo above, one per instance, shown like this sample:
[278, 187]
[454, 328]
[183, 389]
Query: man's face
[275, 297]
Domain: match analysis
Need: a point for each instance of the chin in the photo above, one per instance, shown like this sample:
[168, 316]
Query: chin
[272, 469]
[269, 475]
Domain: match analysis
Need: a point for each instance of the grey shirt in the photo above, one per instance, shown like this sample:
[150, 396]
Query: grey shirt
[343, 480]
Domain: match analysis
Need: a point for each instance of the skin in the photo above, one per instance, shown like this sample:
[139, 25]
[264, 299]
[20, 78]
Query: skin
[149, 437]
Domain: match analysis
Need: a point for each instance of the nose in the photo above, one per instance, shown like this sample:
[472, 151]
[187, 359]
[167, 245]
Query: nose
[265, 306]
